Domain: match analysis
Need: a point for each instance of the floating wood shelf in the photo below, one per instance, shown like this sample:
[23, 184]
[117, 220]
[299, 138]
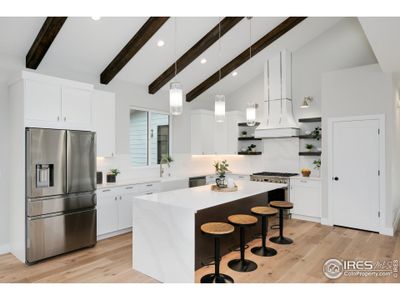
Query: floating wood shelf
[249, 153]
[308, 136]
[309, 153]
[244, 124]
[310, 120]
[248, 138]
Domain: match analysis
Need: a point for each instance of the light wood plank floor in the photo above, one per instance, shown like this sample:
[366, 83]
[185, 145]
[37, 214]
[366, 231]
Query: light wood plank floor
[110, 260]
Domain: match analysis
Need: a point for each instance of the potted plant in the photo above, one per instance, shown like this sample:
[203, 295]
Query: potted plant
[251, 148]
[166, 159]
[317, 164]
[306, 172]
[316, 133]
[220, 169]
[112, 175]
[309, 147]
[244, 133]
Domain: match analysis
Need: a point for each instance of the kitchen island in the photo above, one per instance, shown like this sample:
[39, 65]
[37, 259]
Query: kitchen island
[167, 242]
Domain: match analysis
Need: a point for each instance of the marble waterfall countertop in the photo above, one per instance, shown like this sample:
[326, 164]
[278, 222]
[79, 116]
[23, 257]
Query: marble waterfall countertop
[202, 197]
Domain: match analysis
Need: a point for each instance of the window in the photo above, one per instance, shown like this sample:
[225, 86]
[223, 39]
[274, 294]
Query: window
[148, 137]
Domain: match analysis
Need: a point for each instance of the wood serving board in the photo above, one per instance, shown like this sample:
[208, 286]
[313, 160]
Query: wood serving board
[215, 188]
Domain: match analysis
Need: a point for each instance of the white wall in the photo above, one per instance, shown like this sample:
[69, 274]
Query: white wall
[363, 90]
[4, 154]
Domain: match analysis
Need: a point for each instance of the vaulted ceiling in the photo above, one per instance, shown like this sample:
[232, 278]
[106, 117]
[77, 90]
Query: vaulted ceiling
[86, 46]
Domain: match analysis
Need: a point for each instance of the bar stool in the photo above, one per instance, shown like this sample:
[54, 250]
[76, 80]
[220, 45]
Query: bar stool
[281, 205]
[241, 264]
[264, 212]
[216, 230]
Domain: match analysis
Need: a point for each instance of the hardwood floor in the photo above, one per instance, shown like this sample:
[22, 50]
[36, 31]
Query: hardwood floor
[110, 260]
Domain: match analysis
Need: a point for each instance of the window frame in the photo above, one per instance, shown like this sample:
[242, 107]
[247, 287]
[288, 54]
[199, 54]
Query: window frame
[149, 112]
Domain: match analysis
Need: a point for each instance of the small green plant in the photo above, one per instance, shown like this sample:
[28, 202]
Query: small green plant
[317, 164]
[251, 148]
[166, 159]
[114, 172]
[316, 133]
[309, 147]
[221, 168]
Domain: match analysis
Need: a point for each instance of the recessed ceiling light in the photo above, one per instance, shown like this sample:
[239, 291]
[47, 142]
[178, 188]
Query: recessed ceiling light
[160, 43]
[96, 18]
[203, 61]
[234, 73]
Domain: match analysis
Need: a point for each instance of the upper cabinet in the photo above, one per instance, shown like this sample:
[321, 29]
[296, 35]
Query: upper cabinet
[76, 107]
[103, 120]
[56, 103]
[209, 137]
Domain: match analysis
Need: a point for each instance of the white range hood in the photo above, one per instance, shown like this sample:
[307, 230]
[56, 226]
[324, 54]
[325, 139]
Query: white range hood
[278, 120]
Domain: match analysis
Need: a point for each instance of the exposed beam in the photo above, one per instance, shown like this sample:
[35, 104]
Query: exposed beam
[203, 44]
[43, 41]
[257, 47]
[152, 25]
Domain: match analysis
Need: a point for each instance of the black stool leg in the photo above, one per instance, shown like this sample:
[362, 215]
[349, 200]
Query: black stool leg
[242, 264]
[281, 239]
[216, 277]
[264, 250]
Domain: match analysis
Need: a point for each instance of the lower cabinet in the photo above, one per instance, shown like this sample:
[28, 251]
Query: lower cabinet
[305, 194]
[114, 206]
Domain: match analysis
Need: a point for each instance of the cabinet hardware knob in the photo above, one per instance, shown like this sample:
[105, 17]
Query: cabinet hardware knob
[58, 118]
[65, 119]
[336, 178]
[120, 197]
[106, 191]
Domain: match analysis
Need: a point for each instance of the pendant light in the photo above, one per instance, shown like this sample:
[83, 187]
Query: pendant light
[219, 99]
[251, 107]
[251, 114]
[175, 89]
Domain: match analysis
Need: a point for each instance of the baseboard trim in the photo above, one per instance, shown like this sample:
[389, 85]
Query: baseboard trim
[4, 249]
[387, 231]
[306, 218]
[114, 233]
[325, 221]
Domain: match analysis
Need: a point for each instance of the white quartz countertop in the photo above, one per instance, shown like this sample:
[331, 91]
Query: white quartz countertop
[202, 197]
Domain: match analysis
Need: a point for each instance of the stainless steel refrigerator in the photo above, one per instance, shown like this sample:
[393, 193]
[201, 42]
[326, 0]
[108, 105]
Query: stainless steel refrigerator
[60, 192]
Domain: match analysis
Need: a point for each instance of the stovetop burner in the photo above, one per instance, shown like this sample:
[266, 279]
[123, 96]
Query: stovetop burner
[275, 174]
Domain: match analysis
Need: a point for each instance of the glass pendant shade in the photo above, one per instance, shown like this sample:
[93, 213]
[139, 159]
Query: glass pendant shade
[219, 108]
[175, 98]
[251, 114]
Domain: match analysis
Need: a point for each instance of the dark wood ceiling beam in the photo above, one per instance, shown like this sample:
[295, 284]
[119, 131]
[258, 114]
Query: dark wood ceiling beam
[152, 25]
[202, 45]
[257, 47]
[43, 41]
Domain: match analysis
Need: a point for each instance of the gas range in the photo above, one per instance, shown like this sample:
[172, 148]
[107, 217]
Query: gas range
[274, 177]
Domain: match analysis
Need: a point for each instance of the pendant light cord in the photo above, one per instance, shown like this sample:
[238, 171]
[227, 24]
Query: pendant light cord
[176, 67]
[250, 34]
[219, 46]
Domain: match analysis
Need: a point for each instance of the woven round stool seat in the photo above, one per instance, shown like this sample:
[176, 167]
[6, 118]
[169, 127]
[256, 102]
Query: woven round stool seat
[281, 204]
[217, 228]
[264, 211]
[242, 220]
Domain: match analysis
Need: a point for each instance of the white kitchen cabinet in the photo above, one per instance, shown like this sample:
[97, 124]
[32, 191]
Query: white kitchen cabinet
[42, 102]
[114, 206]
[76, 108]
[305, 194]
[103, 121]
[51, 102]
[210, 137]
[107, 211]
[202, 132]
[239, 177]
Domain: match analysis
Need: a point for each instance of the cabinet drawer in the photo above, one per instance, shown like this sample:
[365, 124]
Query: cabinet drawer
[310, 183]
[150, 187]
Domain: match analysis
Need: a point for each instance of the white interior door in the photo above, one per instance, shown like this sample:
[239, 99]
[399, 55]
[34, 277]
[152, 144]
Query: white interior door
[355, 185]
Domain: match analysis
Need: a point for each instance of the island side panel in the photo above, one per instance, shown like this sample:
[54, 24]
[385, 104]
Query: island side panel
[163, 241]
[204, 246]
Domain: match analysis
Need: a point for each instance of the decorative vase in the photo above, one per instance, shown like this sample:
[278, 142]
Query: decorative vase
[220, 181]
[306, 173]
[111, 178]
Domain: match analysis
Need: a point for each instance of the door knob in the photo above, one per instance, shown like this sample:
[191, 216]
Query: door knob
[336, 178]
